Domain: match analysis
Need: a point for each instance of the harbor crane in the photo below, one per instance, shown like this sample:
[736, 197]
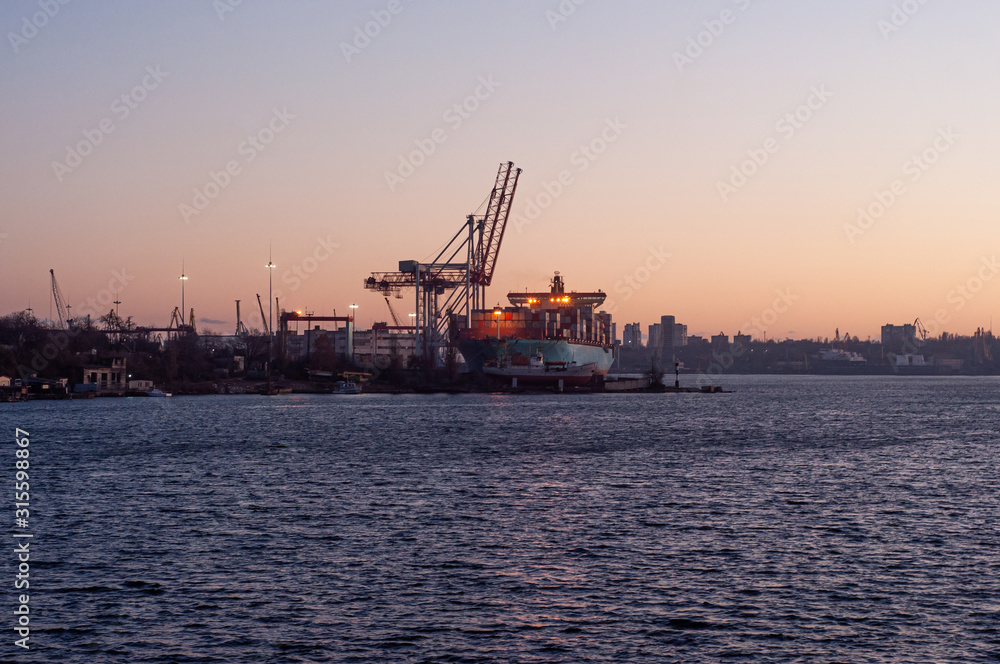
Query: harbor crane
[241, 328]
[454, 282]
[392, 312]
[61, 308]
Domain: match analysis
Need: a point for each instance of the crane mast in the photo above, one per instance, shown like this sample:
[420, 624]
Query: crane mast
[241, 329]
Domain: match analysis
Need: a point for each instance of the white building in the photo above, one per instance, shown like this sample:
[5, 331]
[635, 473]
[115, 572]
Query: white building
[378, 347]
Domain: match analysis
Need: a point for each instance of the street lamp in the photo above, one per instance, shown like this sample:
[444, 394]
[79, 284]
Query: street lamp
[497, 313]
[270, 319]
[350, 329]
[183, 278]
[270, 272]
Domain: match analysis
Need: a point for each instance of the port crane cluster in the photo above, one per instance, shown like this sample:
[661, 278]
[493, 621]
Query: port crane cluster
[454, 282]
[114, 324]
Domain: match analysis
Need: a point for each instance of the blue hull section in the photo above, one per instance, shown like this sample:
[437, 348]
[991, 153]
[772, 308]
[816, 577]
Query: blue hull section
[504, 352]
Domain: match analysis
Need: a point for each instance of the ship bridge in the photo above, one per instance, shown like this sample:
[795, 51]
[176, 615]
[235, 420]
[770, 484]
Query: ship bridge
[556, 300]
[557, 297]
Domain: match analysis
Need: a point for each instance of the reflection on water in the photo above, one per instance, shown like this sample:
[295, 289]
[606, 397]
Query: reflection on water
[798, 519]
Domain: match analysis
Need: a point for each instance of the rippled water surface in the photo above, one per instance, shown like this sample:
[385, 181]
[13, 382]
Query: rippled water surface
[795, 520]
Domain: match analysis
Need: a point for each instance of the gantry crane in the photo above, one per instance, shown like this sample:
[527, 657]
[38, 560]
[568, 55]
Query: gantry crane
[460, 272]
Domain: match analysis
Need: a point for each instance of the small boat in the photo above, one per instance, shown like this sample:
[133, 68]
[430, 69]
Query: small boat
[346, 387]
[158, 393]
[536, 369]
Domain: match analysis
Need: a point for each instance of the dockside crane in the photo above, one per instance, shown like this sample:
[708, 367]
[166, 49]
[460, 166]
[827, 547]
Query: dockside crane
[263, 316]
[61, 309]
[176, 323]
[395, 318]
[454, 282]
[241, 329]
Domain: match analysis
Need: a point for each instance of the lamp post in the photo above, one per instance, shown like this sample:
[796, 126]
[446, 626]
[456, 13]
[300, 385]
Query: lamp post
[413, 324]
[497, 313]
[350, 332]
[182, 278]
[270, 319]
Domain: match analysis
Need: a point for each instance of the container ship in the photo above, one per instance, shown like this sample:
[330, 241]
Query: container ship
[544, 338]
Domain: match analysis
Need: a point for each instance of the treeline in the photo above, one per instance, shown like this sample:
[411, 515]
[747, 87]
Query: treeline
[30, 348]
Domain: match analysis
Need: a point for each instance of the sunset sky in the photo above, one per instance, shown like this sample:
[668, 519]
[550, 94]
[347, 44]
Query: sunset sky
[714, 154]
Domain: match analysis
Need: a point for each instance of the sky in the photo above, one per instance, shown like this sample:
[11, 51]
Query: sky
[780, 167]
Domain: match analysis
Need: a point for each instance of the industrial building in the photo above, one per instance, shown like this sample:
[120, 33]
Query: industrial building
[897, 337]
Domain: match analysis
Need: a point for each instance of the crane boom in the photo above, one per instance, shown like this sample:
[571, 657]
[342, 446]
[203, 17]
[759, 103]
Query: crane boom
[60, 302]
[494, 223]
[263, 317]
[392, 312]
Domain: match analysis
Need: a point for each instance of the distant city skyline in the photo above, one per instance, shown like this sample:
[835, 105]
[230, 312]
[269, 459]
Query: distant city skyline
[712, 161]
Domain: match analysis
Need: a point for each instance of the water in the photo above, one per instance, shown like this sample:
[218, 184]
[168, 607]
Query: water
[796, 520]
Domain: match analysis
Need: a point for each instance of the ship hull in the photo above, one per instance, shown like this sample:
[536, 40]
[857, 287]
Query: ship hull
[574, 363]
